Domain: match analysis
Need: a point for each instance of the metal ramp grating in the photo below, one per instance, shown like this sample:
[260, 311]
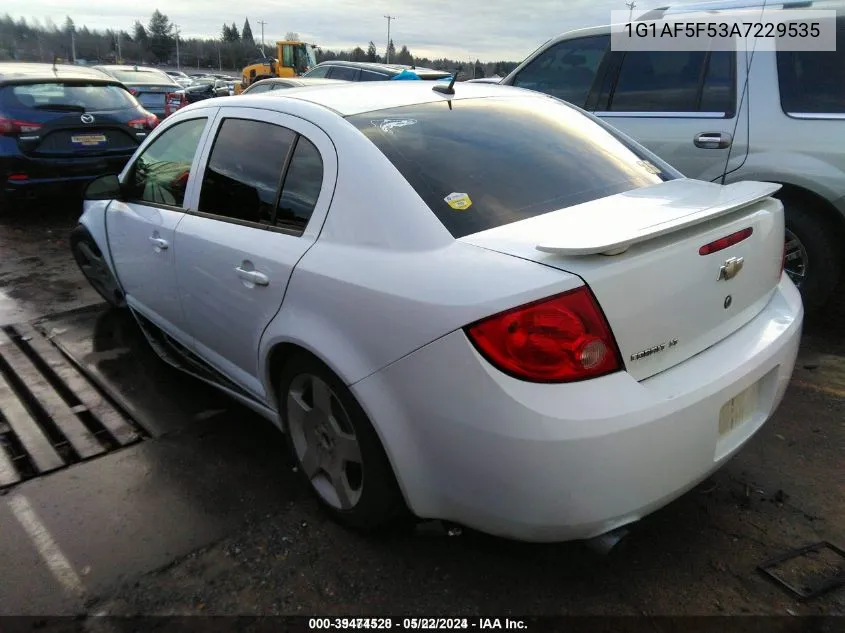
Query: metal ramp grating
[51, 415]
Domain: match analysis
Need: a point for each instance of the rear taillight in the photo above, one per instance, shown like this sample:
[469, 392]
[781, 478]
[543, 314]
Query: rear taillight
[174, 101]
[147, 123]
[562, 339]
[724, 242]
[134, 92]
[14, 127]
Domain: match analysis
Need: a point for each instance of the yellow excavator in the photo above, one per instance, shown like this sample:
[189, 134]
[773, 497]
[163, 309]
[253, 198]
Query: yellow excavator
[292, 60]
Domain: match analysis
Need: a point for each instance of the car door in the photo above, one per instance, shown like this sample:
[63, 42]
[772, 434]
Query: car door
[685, 106]
[266, 186]
[141, 224]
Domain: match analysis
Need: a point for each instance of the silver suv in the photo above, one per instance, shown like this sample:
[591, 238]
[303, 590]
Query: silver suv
[724, 116]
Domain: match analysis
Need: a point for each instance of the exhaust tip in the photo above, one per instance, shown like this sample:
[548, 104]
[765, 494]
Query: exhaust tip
[605, 543]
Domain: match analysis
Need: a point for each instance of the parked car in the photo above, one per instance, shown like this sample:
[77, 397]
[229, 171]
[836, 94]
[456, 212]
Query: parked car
[280, 83]
[781, 121]
[179, 77]
[501, 313]
[366, 71]
[206, 88]
[157, 91]
[61, 126]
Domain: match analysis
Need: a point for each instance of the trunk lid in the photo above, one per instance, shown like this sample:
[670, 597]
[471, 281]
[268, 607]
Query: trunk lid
[639, 252]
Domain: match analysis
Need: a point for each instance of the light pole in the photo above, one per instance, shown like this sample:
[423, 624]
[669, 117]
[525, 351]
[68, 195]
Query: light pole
[630, 6]
[263, 50]
[387, 53]
[178, 65]
[119, 54]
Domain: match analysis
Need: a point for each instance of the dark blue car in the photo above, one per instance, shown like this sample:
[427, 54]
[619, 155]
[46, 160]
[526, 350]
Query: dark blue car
[61, 126]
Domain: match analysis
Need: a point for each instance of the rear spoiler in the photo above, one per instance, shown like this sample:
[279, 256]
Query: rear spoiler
[648, 213]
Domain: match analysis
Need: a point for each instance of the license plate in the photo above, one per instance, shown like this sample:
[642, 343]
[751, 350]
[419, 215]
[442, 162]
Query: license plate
[739, 409]
[152, 99]
[88, 140]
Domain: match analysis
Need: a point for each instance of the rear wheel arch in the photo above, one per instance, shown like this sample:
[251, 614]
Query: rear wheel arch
[820, 227]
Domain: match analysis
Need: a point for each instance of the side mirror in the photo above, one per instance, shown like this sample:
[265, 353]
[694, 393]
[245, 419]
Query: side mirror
[106, 187]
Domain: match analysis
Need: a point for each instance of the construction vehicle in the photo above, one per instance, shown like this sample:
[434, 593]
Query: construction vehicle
[292, 60]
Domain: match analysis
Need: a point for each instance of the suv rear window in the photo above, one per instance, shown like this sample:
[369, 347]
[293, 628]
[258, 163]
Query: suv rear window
[813, 82]
[58, 95]
[511, 158]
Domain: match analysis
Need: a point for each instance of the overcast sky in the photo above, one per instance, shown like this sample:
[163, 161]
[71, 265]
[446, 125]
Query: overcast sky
[491, 30]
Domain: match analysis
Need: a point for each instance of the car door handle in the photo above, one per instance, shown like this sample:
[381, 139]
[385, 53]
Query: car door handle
[713, 140]
[159, 243]
[259, 279]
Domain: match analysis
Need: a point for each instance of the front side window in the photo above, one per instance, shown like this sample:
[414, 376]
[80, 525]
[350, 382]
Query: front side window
[319, 72]
[484, 163]
[813, 82]
[566, 70]
[675, 81]
[160, 175]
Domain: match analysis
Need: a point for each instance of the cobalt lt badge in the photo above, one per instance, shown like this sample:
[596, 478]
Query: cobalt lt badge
[730, 268]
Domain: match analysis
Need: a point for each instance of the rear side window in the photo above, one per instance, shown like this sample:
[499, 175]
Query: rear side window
[343, 73]
[59, 96]
[566, 70]
[813, 82]
[244, 170]
[368, 75]
[675, 81]
[160, 175]
[488, 162]
[302, 185]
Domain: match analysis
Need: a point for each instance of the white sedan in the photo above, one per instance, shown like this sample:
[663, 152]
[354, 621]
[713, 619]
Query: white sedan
[474, 304]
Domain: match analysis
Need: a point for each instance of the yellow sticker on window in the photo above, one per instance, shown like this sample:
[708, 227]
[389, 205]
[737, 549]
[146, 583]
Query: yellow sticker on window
[458, 201]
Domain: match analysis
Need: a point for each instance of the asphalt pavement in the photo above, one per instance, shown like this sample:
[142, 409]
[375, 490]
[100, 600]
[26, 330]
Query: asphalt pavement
[157, 495]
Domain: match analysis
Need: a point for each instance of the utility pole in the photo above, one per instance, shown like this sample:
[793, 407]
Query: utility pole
[630, 6]
[263, 50]
[178, 65]
[73, 45]
[387, 52]
[119, 54]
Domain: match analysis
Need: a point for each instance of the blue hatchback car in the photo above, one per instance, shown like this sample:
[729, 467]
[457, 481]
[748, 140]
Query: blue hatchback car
[62, 126]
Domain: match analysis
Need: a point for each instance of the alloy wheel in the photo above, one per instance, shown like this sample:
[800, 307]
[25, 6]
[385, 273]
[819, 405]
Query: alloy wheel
[324, 441]
[795, 259]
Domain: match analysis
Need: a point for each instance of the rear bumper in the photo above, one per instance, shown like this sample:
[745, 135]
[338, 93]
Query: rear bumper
[54, 176]
[542, 462]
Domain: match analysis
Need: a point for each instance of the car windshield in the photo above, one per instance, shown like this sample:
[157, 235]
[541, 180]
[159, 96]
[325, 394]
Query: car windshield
[141, 76]
[76, 97]
[483, 163]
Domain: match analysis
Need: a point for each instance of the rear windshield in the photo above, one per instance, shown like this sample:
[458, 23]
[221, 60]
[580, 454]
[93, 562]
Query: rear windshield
[141, 76]
[79, 96]
[483, 163]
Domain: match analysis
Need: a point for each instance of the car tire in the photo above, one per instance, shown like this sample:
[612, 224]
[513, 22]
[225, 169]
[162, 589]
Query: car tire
[809, 237]
[374, 502]
[93, 266]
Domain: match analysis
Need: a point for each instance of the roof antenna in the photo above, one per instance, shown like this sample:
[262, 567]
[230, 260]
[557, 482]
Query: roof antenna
[447, 90]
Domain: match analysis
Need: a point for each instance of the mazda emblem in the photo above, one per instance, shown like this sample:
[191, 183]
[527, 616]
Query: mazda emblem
[87, 118]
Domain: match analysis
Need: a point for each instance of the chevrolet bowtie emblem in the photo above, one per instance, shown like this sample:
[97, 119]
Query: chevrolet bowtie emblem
[730, 268]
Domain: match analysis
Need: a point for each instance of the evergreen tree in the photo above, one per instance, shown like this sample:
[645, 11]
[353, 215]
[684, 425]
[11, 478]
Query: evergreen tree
[246, 32]
[372, 54]
[161, 36]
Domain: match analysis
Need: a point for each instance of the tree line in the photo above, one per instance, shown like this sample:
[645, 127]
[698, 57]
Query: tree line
[156, 43]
